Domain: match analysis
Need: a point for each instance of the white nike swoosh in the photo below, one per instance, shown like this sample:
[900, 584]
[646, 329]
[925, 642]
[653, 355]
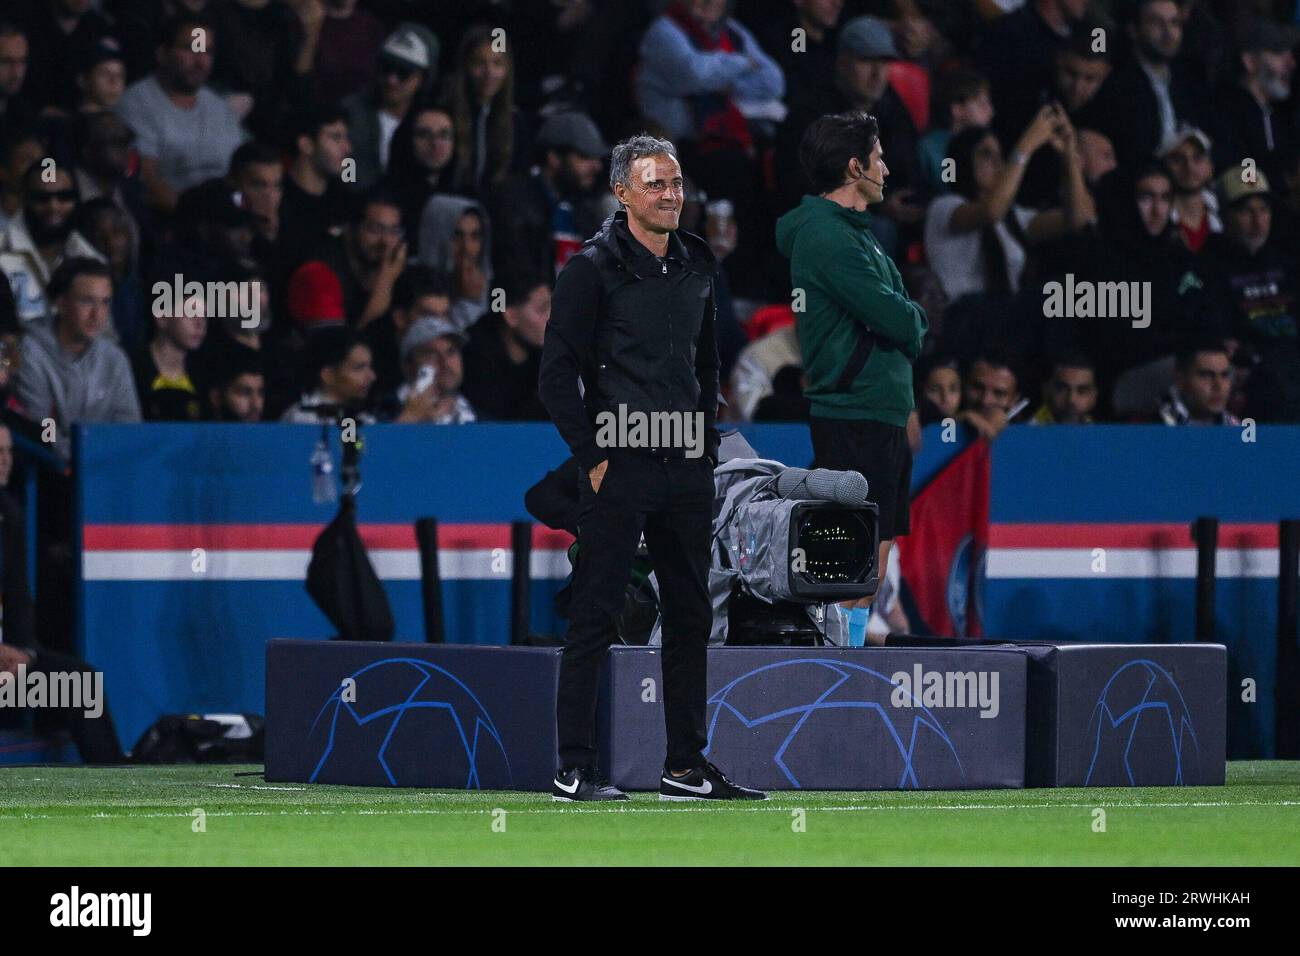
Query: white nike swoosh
[573, 789]
[706, 788]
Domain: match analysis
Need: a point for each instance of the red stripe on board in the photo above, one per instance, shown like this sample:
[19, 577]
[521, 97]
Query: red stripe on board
[1136, 535]
[297, 537]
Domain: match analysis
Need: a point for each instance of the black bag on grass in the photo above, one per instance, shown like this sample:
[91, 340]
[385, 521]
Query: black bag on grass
[202, 738]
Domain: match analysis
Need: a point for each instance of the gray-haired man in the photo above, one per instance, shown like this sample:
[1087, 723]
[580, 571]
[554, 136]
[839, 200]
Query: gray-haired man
[630, 340]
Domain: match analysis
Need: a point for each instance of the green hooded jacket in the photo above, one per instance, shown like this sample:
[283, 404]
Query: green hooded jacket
[858, 330]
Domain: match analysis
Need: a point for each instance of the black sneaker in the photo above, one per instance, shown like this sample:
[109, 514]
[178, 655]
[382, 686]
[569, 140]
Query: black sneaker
[583, 783]
[704, 783]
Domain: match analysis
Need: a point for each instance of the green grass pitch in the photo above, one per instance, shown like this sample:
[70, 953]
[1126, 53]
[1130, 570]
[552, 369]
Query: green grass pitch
[75, 816]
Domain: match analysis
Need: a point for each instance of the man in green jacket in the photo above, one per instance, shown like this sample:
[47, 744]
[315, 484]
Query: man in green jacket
[858, 330]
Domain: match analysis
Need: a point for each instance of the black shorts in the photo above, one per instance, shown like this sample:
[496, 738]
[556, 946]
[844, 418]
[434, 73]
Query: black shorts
[883, 456]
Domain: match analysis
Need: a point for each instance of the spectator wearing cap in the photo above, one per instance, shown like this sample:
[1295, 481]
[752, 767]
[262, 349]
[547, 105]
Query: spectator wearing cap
[369, 257]
[313, 302]
[164, 369]
[702, 74]
[434, 371]
[408, 65]
[1259, 278]
[1144, 100]
[1017, 52]
[1203, 375]
[420, 291]
[340, 48]
[1251, 118]
[420, 160]
[1195, 212]
[63, 31]
[552, 208]
[69, 371]
[102, 77]
[864, 52]
[315, 297]
[455, 239]
[214, 233]
[254, 184]
[185, 133]
[341, 378]
[44, 236]
[491, 133]
[315, 206]
[504, 356]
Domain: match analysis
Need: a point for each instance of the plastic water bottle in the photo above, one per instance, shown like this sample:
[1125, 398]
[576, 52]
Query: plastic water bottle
[323, 489]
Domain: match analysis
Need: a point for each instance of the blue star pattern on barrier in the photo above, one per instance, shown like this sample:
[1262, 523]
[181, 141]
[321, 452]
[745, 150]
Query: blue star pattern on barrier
[470, 730]
[1155, 684]
[921, 717]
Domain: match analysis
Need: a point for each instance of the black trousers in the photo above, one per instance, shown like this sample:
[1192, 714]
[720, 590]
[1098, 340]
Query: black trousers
[671, 501]
[95, 737]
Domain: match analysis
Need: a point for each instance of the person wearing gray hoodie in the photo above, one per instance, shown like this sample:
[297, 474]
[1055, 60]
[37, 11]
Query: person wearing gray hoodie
[455, 239]
[69, 371]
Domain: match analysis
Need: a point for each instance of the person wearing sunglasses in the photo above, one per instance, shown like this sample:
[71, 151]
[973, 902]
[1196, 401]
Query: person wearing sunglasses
[408, 63]
[36, 242]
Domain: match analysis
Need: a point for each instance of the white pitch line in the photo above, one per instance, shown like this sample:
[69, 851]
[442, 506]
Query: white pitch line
[702, 807]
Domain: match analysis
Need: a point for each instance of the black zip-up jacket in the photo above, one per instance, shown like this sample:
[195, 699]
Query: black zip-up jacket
[639, 333]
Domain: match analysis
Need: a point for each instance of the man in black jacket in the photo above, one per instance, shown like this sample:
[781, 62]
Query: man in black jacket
[92, 732]
[630, 341]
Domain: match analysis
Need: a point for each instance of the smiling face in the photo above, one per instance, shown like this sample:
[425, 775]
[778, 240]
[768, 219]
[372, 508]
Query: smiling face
[654, 193]
[991, 388]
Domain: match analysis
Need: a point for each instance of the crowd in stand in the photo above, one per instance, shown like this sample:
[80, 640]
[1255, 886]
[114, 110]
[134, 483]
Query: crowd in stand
[387, 190]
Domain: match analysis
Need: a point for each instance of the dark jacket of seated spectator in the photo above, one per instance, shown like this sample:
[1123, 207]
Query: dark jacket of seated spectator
[504, 354]
[1128, 110]
[95, 736]
[551, 209]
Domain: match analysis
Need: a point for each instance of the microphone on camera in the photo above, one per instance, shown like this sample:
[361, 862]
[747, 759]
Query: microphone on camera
[846, 488]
